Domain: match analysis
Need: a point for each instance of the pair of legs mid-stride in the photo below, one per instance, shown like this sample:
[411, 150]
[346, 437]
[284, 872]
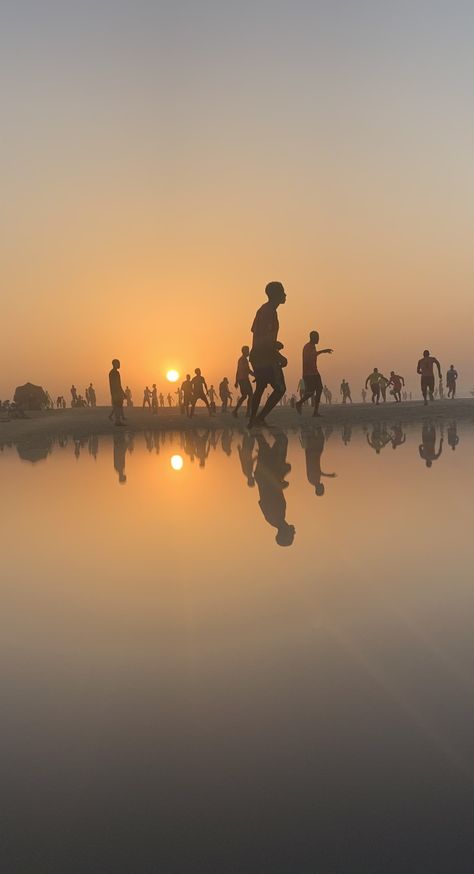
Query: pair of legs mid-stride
[271, 374]
[313, 389]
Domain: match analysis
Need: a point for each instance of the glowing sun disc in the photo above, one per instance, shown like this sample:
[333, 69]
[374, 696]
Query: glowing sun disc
[172, 375]
[177, 462]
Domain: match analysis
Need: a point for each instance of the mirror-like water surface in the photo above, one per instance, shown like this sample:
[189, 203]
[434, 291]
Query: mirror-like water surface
[224, 653]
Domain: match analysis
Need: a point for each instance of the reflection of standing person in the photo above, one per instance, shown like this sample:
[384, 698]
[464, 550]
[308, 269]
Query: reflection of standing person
[120, 449]
[379, 437]
[116, 392]
[270, 471]
[427, 448]
[451, 378]
[265, 357]
[247, 459]
[313, 445]
[311, 377]
[453, 437]
[398, 438]
[426, 371]
[242, 381]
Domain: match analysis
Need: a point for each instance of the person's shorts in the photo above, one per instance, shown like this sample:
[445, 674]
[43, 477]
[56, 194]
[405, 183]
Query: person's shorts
[245, 387]
[313, 383]
[270, 374]
[428, 382]
[375, 388]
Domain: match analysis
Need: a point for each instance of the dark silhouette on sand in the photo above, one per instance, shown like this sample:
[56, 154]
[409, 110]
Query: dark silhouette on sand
[270, 471]
[224, 394]
[396, 381]
[345, 391]
[154, 399]
[199, 391]
[242, 381]
[187, 393]
[265, 356]
[374, 380]
[117, 393]
[311, 377]
[451, 378]
[426, 370]
[146, 398]
[427, 448]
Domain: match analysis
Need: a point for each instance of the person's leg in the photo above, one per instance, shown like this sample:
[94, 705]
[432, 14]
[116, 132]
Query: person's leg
[261, 384]
[279, 388]
[317, 397]
[431, 388]
[306, 396]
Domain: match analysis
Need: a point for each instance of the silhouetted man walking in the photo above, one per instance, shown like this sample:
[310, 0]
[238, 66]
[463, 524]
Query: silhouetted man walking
[313, 385]
[199, 391]
[242, 381]
[265, 357]
[187, 393]
[426, 371]
[451, 378]
[396, 381]
[117, 393]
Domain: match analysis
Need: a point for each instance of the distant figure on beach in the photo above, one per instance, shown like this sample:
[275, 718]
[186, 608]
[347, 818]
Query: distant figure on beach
[224, 394]
[441, 390]
[154, 399]
[427, 448]
[187, 393]
[146, 398]
[86, 395]
[383, 382]
[212, 394]
[59, 402]
[327, 395]
[161, 398]
[242, 381]
[453, 437]
[345, 392]
[311, 377]
[169, 399]
[92, 396]
[73, 396]
[364, 395]
[247, 459]
[426, 371]
[313, 445]
[265, 356]
[374, 381]
[117, 393]
[200, 391]
[396, 381]
[128, 397]
[270, 471]
[451, 378]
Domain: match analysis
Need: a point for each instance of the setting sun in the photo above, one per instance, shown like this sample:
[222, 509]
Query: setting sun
[172, 376]
[177, 462]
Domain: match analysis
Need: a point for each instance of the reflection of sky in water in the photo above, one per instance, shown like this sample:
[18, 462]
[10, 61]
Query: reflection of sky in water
[182, 694]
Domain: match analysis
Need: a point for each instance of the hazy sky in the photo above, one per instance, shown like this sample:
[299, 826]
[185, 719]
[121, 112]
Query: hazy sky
[161, 161]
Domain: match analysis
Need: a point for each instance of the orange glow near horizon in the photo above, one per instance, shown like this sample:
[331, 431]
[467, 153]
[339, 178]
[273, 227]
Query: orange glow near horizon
[172, 376]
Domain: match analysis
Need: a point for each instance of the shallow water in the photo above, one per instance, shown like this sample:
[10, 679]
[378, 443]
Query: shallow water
[212, 664]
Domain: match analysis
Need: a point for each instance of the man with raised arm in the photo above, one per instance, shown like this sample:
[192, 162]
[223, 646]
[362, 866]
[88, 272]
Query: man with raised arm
[311, 376]
[265, 357]
[426, 370]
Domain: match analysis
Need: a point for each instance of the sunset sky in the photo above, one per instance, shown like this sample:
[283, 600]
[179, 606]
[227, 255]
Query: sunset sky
[162, 161]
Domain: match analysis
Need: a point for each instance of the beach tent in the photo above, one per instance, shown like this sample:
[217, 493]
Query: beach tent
[30, 397]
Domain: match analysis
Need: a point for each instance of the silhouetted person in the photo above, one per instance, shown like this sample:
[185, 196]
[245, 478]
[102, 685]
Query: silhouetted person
[383, 387]
[224, 394]
[453, 437]
[364, 395]
[426, 371]
[374, 381]
[187, 392]
[311, 377]
[313, 445]
[265, 356]
[396, 381]
[92, 396]
[242, 381]
[247, 459]
[128, 397]
[162, 399]
[427, 448]
[199, 391]
[154, 399]
[146, 398]
[120, 448]
[451, 378]
[270, 471]
[169, 399]
[116, 392]
[73, 396]
[327, 395]
[345, 392]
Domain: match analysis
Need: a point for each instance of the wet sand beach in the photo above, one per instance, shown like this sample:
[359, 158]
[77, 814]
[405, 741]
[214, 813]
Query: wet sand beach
[85, 421]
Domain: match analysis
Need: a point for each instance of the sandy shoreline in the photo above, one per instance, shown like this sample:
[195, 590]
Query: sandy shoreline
[83, 422]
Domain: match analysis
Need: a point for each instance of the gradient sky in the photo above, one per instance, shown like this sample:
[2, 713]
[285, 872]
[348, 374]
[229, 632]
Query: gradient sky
[161, 161]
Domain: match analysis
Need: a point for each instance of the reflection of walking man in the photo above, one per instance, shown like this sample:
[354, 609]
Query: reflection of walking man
[313, 445]
[270, 471]
[427, 448]
[247, 459]
[120, 449]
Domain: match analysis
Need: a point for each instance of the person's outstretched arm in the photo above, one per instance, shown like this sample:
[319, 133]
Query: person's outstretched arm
[330, 475]
[324, 352]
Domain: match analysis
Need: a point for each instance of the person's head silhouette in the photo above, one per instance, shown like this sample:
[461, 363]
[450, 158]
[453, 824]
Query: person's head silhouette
[197, 371]
[276, 293]
[116, 364]
[246, 351]
[426, 353]
[314, 337]
[285, 534]
[319, 489]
